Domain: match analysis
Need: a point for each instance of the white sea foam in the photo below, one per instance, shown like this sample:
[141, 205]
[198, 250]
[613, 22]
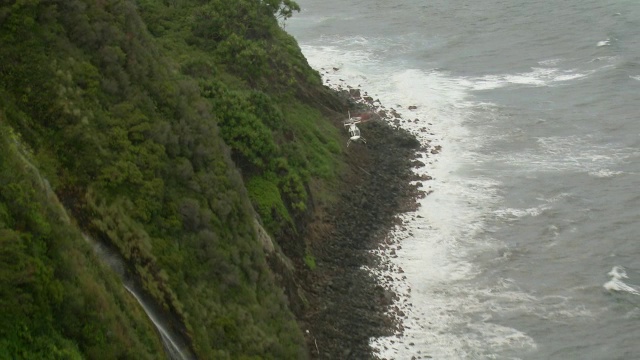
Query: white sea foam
[606, 42]
[518, 213]
[535, 77]
[604, 173]
[550, 62]
[635, 77]
[609, 60]
[515, 213]
[618, 275]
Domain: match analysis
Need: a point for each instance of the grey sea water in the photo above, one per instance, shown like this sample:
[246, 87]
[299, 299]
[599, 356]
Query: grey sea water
[529, 246]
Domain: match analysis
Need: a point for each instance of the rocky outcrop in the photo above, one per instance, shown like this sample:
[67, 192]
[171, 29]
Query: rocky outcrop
[346, 306]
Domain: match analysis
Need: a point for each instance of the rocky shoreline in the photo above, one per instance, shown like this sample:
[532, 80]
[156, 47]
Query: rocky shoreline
[347, 304]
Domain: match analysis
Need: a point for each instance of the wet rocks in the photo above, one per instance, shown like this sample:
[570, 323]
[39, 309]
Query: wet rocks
[347, 306]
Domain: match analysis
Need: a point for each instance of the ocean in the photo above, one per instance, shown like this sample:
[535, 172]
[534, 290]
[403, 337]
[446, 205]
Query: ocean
[529, 245]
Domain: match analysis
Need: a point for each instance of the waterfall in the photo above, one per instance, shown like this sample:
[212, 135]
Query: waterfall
[175, 346]
[173, 343]
[170, 345]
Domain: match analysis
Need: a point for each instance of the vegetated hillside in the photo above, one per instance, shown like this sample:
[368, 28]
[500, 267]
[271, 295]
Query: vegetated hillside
[162, 127]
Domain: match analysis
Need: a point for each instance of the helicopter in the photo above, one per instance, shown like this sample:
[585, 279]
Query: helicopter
[354, 131]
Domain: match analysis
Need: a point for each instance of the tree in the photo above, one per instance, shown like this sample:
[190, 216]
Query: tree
[282, 8]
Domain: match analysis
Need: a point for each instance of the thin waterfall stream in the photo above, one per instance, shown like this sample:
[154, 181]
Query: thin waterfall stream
[175, 345]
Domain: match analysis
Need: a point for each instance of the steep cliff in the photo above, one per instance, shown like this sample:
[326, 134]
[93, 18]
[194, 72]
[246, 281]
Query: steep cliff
[191, 138]
[160, 126]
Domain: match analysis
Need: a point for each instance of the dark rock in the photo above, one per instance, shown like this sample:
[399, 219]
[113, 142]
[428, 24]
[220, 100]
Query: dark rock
[346, 305]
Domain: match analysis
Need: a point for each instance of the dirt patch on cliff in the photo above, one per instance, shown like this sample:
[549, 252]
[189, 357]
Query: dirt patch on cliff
[346, 305]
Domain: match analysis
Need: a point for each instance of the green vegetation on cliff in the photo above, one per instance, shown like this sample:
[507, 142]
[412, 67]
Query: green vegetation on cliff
[162, 127]
[57, 302]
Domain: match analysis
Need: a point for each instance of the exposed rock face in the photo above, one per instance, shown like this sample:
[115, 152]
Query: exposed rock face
[265, 239]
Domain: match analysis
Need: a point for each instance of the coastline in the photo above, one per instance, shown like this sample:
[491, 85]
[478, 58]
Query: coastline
[353, 293]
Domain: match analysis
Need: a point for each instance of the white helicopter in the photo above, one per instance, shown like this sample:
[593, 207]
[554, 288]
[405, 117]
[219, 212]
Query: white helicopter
[354, 132]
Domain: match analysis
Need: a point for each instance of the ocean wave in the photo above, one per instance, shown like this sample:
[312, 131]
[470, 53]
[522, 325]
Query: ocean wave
[570, 153]
[618, 275]
[518, 213]
[550, 62]
[604, 173]
[536, 77]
